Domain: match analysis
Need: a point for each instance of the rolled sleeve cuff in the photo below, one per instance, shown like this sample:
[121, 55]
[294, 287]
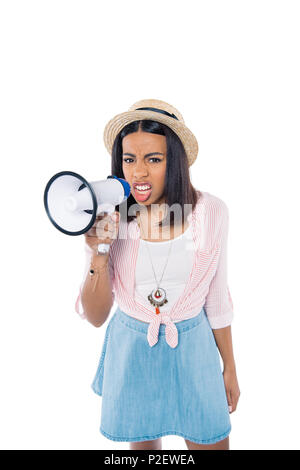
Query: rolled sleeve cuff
[221, 321]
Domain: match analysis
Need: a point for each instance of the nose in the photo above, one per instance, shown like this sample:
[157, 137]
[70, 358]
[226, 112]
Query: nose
[140, 170]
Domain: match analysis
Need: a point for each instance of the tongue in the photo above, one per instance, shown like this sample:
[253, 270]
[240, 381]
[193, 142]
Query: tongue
[142, 195]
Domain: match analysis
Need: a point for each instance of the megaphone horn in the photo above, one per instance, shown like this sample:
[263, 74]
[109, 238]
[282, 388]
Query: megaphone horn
[72, 203]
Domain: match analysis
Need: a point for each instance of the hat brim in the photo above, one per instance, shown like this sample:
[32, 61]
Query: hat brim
[116, 124]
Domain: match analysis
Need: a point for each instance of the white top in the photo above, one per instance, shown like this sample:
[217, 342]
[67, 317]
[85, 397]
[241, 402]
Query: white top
[206, 287]
[174, 279]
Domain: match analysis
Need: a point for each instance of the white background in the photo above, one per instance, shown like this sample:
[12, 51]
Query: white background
[232, 70]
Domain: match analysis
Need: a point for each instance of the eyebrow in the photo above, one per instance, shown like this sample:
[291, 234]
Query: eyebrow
[147, 155]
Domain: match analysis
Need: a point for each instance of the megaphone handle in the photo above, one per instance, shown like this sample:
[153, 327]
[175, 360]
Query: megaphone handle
[103, 248]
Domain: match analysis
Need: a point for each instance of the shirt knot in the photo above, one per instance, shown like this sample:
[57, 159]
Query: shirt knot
[171, 330]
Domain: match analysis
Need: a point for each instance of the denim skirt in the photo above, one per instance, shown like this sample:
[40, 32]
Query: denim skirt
[148, 392]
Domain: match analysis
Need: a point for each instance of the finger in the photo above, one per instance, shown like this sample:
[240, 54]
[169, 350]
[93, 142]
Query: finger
[107, 218]
[94, 241]
[94, 232]
[103, 215]
[101, 226]
[104, 227]
[229, 401]
[235, 399]
[115, 216]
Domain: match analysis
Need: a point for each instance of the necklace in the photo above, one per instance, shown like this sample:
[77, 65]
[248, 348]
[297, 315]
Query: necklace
[158, 295]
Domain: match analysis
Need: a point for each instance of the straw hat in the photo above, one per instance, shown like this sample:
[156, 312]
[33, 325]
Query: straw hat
[159, 111]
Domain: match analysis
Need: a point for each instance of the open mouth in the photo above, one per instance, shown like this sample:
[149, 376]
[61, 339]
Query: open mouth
[142, 192]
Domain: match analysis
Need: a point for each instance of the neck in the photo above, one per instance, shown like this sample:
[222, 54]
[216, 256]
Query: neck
[148, 220]
[152, 214]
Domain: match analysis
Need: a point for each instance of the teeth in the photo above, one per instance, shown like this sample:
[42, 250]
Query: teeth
[143, 188]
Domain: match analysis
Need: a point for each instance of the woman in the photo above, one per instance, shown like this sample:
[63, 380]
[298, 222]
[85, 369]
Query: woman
[159, 371]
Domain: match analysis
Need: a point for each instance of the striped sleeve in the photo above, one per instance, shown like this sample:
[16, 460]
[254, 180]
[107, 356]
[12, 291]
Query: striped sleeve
[218, 303]
[88, 254]
[111, 274]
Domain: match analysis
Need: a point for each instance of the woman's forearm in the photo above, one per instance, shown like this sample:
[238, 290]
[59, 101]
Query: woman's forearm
[224, 342]
[96, 295]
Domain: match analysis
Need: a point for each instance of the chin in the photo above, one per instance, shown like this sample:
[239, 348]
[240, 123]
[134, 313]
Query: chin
[144, 203]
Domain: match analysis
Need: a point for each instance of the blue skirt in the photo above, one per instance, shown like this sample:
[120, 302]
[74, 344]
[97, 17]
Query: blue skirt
[149, 392]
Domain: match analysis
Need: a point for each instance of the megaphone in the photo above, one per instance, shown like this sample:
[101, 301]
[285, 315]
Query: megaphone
[72, 203]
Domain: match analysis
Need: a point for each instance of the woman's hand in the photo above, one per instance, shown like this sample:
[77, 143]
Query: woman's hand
[232, 388]
[104, 230]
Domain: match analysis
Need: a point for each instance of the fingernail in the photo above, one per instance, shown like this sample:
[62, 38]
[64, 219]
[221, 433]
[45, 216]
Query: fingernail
[230, 408]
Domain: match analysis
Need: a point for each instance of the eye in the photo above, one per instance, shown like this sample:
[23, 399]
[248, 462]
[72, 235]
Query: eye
[152, 158]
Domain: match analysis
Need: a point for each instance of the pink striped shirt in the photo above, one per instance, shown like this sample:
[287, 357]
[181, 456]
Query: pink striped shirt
[207, 284]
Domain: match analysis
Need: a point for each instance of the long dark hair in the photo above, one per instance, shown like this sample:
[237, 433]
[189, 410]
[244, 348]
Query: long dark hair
[178, 186]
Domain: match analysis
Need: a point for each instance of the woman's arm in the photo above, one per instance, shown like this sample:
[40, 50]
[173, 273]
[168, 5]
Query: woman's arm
[223, 339]
[224, 342]
[219, 310]
[96, 296]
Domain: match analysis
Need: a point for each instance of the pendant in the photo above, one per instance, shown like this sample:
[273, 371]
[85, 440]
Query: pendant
[158, 297]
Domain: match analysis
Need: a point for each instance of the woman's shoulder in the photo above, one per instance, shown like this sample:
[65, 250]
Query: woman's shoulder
[211, 210]
[211, 202]
[211, 218]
